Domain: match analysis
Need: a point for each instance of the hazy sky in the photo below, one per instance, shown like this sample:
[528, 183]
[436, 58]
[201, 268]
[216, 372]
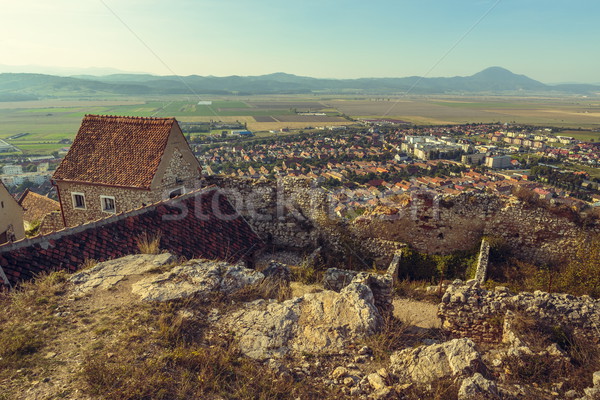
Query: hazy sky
[548, 40]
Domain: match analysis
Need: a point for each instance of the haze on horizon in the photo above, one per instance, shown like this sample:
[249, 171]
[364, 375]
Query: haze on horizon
[551, 41]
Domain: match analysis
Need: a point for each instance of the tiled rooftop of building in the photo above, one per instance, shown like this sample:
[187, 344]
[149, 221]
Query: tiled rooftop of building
[119, 151]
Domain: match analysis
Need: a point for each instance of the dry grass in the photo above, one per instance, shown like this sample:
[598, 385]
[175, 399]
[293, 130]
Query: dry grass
[132, 350]
[88, 263]
[149, 243]
[265, 289]
[417, 290]
[583, 356]
[26, 320]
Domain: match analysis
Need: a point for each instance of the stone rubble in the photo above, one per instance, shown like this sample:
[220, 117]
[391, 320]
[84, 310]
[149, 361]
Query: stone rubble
[477, 387]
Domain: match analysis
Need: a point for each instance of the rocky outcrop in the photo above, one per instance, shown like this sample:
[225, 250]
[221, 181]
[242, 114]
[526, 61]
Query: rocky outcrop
[158, 282]
[381, 285]
[315, 323]
[425, 364]
[199, 278]
[107, 274]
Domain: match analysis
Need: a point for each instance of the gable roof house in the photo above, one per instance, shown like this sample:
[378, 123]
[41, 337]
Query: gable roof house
[116, 164]
[11, 217]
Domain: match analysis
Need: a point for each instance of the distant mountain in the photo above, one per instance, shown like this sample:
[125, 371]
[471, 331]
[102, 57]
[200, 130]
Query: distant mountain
[494, 80]
[60, 71]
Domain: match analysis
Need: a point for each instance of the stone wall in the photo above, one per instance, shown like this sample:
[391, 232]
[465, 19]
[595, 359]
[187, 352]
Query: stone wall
[467, 310]
[51, 222]
[125, 199]
[199, 224]
[380, 284]
[294, 213]
[441, 225]
[282, 213]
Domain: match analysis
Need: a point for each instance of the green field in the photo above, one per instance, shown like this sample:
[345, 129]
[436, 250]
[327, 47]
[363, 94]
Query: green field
[582, 135]
[48, 122]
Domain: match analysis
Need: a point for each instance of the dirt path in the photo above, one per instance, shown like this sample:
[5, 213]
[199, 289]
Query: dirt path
[418, 313]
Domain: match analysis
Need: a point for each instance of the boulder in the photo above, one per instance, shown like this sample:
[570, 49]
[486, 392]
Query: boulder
[477, 387]
[321, 322]
[425, 364]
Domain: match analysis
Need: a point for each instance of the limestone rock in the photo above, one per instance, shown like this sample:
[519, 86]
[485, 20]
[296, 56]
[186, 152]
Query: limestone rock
[478, 388]
[107, 274]
[339, 372]
[376, 381]
[425, 364]
[314, 323]
[278, 272]
[196, 277]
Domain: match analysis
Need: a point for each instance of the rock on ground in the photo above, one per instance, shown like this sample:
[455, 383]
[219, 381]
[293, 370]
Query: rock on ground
[195, 278]
[478, 388]
[107, 274]
[425, 364]
[315, 323]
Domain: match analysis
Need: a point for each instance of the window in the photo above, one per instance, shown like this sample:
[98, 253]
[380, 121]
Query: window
[176, 192]
[108, 204]
[78, 200]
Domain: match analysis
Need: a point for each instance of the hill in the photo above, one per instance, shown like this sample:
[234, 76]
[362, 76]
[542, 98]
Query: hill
[150, 327]
[494, 80]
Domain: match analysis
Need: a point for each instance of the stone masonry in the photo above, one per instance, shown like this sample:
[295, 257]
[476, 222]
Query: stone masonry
[467, 310]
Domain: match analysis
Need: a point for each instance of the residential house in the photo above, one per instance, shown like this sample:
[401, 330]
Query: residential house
[121, 163]
[36, 207]
[11, 217]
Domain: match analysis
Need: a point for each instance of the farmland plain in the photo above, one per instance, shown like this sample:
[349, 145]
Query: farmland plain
[48, 122]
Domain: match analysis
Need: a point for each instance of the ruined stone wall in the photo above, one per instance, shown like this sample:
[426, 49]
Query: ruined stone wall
[282, 213]
[293, 213]
[437, 225]
[467, 310]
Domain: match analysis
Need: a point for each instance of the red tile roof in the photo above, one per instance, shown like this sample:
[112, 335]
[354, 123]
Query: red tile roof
[37, 206]
[200, 224]
[119, 151]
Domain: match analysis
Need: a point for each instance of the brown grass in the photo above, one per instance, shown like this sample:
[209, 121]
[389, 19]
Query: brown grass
[149, 243]
[575, 371]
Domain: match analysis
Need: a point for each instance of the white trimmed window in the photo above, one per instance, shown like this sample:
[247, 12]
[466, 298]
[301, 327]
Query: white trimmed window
[108, 204]
[78, 200]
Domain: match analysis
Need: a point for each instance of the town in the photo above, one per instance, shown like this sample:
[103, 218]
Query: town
[371, 164]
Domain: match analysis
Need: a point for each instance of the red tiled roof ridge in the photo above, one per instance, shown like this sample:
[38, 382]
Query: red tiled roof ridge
[127, 118]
